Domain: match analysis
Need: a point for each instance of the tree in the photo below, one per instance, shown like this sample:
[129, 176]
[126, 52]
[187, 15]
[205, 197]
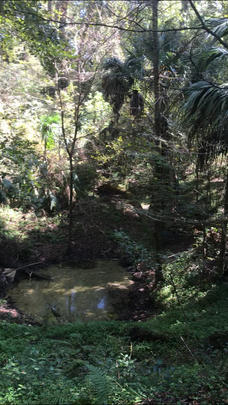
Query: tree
[118, 80]
[79, 71]
[156, 62]
[206, 110]
[26, 20]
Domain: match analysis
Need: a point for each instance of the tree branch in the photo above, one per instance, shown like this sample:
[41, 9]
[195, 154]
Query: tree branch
[205, 26]
[143, 30]
[134, 30]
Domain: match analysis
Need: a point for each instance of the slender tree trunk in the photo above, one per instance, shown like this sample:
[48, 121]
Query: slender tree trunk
[197, 182]
[157, 113]
[49, 6]
[224, 230]
[70, 153]
[70, 223]
[209, 188]
[157, 119]
[45, 148]
[62, 6]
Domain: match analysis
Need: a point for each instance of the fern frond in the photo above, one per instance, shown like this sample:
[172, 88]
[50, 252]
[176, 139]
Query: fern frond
[101, 384]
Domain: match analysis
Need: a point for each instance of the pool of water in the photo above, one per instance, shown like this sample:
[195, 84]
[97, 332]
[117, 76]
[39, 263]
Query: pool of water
[72, 294]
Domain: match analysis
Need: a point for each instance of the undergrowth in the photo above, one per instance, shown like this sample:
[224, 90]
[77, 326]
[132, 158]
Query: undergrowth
[178, 356]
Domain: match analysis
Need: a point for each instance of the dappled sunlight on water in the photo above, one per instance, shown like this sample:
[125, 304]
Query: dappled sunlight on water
[72, 294]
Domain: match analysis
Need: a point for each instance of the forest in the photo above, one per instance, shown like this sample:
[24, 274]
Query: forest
[113, 202]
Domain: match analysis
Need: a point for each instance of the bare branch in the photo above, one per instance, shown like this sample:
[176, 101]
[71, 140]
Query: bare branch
[143, 30]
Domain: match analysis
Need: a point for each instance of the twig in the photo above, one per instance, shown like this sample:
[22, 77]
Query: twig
[186, 317]
[190, 351]
[28, 265]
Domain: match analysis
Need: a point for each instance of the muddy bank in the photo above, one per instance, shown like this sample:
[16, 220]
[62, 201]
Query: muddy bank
[11, 314]
[45, 238]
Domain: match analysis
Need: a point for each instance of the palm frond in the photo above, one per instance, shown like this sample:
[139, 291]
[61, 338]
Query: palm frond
[219, 26]
[134, 67]
[206, 113]
[113, 64]
[210, 55]
[206, 106]
[207, 102]
[117, 81]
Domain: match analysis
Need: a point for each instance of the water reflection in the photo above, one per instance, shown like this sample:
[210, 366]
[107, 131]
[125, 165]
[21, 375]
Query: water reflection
[101, 303]
[72, 294]
[71, 303]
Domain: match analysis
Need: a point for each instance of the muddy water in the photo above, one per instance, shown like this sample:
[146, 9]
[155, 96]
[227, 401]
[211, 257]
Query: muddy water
[72, 294]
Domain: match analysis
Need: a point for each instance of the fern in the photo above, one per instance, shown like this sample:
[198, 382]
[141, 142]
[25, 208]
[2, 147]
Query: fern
[101, 385]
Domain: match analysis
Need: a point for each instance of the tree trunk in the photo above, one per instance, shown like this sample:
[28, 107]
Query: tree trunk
[70, 223]
[61, 7]
[50, 6]
[157, 113]
[157, 118]
[222, 258]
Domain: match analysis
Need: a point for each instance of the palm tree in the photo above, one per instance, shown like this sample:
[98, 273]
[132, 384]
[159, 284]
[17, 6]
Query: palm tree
[118, 80]
[206, 110]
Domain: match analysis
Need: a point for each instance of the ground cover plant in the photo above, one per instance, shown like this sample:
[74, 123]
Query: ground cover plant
[180, 356]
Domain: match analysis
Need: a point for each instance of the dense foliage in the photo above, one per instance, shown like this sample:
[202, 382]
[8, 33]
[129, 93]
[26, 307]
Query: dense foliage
[113, 144]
